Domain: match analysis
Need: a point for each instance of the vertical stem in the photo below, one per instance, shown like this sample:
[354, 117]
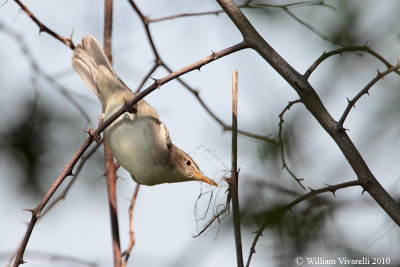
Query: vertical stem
[111, 179]
[132, 240]
[111, 171]
[108, 20]
[234, 185]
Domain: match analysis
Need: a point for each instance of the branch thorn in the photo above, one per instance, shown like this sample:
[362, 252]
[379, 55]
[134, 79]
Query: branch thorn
[91, 132]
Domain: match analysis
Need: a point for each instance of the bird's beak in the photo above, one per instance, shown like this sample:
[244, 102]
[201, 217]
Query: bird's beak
[203, 178]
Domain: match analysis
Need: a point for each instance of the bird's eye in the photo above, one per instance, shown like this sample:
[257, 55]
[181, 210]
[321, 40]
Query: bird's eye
[188, 162]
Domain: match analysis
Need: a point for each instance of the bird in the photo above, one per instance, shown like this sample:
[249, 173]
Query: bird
[139, 140]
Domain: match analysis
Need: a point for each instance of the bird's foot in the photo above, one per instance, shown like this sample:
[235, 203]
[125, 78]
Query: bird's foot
[130, 108]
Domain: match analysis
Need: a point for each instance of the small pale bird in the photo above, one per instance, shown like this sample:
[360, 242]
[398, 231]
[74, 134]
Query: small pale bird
[140, 142]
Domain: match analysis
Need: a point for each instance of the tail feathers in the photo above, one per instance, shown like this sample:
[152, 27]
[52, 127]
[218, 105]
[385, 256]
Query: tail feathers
[86, 60]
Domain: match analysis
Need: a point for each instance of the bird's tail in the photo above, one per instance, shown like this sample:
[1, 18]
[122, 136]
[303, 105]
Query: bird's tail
[87, 59]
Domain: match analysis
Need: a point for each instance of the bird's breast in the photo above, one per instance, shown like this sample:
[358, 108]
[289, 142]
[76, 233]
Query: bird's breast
[138, 145]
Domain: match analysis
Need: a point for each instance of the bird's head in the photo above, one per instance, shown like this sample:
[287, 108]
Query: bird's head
[185, 168]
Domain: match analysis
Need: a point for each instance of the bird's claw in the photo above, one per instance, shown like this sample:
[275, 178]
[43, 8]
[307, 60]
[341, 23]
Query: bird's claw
[96, 137]
[130, 108]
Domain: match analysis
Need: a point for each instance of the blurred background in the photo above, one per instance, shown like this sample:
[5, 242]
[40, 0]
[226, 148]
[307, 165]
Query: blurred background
[45, 107]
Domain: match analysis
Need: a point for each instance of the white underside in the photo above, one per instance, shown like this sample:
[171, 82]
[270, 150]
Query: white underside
[139, 147]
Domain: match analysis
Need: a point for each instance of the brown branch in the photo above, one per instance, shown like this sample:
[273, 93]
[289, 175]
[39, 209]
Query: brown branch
[282, 146]
[313, 103]
[43, 28]
[286, 8]
[339, 51]
[247, 4]
[193, 14]
[365, 90]
[234, 180]
[63, 195]
[111, 178]
[289, 206]
[128, 251]
[111, 170]
[36, 211]
[148, 75]
[56, 259]
[95, 133]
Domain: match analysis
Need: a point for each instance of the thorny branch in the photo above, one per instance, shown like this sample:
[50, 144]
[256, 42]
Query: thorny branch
[282, 146]
[365, 49]
[365, 90]
[289, 206]
[43, 28]
[63, 195]
[128, 251]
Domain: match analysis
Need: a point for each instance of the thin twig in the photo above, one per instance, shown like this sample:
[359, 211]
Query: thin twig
[289, 206]
[193, 14]
[43, 28]
[132, 240]
[234, 180]
[245, 5]
[147, 76]
[286, 8]
[352, 102]
[339, 51]
[282, 146]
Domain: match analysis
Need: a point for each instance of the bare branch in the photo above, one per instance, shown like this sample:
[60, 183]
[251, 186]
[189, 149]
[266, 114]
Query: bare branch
[43, 28]
[282, 146]
[148, 75]
[247, 4]
[194, 14]
[289, 206]
[73, 179]
[128, 251]
[339, 51]
[352, 102]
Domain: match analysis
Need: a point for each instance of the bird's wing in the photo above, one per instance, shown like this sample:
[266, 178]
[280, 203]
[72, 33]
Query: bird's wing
[165, 133]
